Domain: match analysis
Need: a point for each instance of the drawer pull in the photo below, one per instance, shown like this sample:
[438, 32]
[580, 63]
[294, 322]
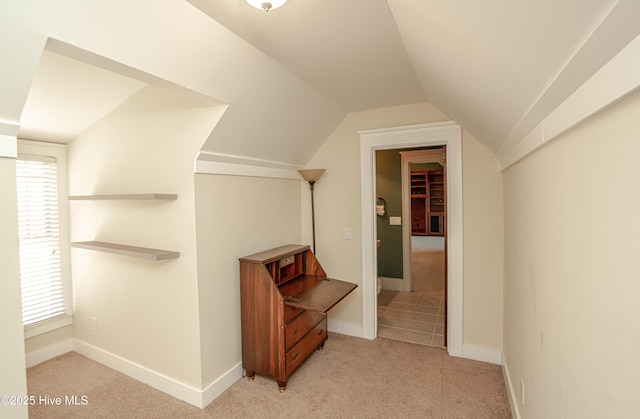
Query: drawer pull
[296, 356]
[295, 332]
[321, 331]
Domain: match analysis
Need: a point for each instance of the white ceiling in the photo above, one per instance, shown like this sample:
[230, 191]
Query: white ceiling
[349, 50]
[496, 67]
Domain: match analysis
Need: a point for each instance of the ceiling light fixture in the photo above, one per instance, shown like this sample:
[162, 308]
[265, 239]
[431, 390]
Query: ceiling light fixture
[266, 5]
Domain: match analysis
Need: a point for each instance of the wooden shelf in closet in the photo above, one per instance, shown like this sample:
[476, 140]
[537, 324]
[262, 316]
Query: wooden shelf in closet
[428, 202]
[436, 205]
[419, 203]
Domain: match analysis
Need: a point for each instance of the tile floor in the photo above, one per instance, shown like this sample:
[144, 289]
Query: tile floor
[416, 317]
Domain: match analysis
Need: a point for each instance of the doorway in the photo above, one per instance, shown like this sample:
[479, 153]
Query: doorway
[446, 134]
[413, 308]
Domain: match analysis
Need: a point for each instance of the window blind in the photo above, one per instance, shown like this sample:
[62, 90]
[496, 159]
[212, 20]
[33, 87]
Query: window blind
[39, 239]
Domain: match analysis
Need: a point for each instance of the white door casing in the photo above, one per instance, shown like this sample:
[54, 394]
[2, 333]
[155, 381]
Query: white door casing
[448, 134]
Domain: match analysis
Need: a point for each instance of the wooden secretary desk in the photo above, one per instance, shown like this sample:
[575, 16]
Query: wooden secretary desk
[284, 298]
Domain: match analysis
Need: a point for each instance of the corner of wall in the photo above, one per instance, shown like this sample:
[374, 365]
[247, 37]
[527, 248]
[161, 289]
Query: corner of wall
[511, 393]
[482, 353]
[218, 386]
[48, 352]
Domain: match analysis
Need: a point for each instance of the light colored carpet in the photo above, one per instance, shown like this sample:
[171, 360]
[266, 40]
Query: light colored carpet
[351, 378]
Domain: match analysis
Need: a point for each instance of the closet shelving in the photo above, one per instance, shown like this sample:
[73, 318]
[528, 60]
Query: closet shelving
[436, 202]
[419, 202]
[122, 249]
[428, 202]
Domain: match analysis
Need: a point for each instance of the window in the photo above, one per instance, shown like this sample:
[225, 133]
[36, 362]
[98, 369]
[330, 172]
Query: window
[43, 245]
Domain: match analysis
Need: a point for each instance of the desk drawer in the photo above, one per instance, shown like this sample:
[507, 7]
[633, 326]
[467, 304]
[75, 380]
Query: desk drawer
[308, 344]
[297, 328]
[291, 312]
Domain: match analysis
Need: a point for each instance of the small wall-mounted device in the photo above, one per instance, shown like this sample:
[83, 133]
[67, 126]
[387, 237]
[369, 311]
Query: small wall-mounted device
[381, 206]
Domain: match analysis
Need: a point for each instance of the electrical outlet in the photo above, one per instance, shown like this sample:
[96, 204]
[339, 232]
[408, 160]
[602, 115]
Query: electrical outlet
[347, 233]
[522, 391]
[94, 323]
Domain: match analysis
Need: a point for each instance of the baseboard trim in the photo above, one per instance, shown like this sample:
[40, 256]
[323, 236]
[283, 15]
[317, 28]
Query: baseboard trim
[482, 353]
[392, 284]
[511, 393]
[156, 380]
[48, 352]
[226, 380]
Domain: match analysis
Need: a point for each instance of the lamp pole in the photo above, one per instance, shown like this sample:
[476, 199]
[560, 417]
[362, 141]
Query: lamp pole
[312, 176]
[313, 215]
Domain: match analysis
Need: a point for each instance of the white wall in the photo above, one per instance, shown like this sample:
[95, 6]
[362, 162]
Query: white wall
[12, 358]
[47, 345]
[146, 311]
[338, 206]
[236, 216]
[572, 234]
[337, 198]
[483, 238]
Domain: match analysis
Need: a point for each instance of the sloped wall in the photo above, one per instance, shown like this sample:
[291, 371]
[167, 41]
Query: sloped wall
[571, 277]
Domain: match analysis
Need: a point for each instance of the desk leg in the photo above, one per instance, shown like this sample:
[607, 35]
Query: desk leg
[282, 386]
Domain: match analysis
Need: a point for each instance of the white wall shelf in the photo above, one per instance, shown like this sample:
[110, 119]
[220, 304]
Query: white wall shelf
[133, 251]
[139, 196]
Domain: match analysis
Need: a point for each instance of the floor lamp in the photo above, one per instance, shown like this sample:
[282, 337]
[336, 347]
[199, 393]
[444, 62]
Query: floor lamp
[312, 176]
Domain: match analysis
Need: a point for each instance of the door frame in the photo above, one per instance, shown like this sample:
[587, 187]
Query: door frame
[407, 158]
[448, 134]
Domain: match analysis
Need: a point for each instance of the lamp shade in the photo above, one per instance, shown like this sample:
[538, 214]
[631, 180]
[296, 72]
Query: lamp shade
[266, 5]
[312, 175]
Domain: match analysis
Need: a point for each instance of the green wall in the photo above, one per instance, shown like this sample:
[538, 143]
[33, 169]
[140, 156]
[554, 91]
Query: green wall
[389, 186]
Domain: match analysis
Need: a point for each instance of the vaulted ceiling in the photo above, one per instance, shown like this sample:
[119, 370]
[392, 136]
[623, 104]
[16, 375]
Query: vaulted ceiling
[496, 67]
